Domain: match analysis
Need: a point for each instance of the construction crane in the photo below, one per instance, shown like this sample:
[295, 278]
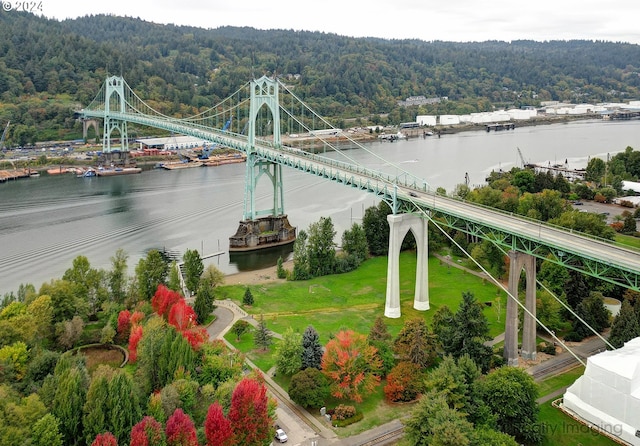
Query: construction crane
[206, 151]
[4, 135]
[524, 163]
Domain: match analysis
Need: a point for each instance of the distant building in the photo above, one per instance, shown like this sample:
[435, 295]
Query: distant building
[419, 100]
[427, 120]
[171, 143]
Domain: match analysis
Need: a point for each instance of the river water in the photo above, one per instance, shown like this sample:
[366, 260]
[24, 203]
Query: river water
[46, 222]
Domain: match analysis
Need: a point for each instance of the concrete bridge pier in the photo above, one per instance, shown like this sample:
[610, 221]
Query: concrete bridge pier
[399, 226]
[518, 262]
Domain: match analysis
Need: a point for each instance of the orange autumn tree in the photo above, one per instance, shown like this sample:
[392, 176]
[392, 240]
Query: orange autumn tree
[351, 365]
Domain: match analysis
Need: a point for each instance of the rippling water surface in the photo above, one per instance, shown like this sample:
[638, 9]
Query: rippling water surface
[46, 222]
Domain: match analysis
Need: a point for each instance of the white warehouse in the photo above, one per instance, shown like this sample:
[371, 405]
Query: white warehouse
[427, 120]
[607, 396]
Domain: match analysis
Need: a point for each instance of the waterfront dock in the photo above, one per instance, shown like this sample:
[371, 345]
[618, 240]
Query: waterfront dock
[6, 175]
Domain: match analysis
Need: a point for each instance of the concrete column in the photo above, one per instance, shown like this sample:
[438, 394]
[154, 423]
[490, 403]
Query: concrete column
[518, 261]
[421, 297]
[529, 323]
[392, 304]
[511, 322]
[399, 225]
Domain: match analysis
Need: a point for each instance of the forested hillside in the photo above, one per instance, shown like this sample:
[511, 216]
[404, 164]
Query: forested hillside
[48, 68]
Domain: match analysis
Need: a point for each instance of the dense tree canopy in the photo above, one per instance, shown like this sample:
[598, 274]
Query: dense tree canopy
[181, 70]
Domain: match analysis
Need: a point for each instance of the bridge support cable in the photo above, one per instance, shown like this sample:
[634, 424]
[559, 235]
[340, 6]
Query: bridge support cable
[327, 124]
[510, 295]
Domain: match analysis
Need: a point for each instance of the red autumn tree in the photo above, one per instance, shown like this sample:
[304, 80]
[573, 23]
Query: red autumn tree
[351, 365]
[148, 432]
[180, 430]
[136, 318]
[106, 439]
[163, 300]
[217, 428]
[182, 316]
[134, 339]
[249, 414]
[196, 336]
[124, 326]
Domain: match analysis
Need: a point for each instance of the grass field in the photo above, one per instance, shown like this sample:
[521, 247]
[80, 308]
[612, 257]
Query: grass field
[353, 300]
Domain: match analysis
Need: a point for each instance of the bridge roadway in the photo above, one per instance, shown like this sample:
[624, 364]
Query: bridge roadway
[598, 258]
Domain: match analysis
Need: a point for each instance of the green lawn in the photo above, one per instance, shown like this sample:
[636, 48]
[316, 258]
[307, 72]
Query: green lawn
[353, 300]
[561, 430]
[628, 241]
[554, 383]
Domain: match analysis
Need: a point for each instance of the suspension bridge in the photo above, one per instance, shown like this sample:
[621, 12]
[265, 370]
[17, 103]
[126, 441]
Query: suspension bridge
[264, 109]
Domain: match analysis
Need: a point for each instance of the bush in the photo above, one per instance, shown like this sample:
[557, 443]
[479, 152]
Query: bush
[281, 272]
[354, 419]
[309, 388]
[343, 412]
[573, 337]
[547, 348]
[343, 415]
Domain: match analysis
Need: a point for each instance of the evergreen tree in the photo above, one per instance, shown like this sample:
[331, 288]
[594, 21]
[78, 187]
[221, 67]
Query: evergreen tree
[575, 289]
[95, 418]
[46, 432]
[262, 337]
[433, 422]
[68, 403]
[415, 343]
[625, 325]
[594, 313]
[471, 330]
[122, 406]
[203, 304]
[311, 349]
[281, 272]
[247, 299]
[379, 331]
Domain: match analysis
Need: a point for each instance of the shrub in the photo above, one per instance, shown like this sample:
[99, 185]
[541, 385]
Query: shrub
[343, 412]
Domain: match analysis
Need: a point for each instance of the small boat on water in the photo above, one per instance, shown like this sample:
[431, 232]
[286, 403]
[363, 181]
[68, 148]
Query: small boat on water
[88, 173]
[391, 137]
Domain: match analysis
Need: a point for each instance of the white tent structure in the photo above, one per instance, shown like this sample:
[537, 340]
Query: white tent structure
[607, 396]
